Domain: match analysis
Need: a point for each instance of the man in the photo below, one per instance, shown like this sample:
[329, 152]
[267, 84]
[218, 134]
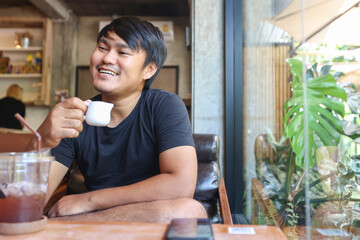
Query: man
[142, 166]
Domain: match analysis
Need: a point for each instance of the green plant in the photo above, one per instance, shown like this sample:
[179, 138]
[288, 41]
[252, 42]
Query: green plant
[293, 216]
[319, 103]
[324, 128]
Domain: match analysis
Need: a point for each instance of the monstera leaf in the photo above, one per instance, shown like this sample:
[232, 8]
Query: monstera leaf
[324, 126]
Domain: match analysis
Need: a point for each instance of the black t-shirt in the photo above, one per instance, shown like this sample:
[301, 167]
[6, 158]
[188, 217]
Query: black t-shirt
[8, 108]
[129, 153]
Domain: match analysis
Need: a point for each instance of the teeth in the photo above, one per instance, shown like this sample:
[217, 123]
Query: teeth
[108, 72]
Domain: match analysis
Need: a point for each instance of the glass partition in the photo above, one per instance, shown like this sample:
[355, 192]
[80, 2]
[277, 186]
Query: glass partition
[301, 81]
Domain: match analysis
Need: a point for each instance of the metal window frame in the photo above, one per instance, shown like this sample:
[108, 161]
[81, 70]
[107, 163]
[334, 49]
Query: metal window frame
[234, 176]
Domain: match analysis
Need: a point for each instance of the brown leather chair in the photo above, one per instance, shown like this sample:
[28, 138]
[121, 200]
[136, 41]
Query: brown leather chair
[210, 187]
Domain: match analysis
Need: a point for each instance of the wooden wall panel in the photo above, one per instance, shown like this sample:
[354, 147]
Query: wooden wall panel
[266, 88]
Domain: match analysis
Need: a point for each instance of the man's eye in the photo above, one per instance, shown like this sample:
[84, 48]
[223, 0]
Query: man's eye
[102, 48]
[123, 53]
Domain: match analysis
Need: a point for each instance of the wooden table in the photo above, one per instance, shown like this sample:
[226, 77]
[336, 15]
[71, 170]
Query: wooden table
[56, 230]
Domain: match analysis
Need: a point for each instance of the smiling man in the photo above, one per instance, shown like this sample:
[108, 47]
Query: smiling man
[142, 166]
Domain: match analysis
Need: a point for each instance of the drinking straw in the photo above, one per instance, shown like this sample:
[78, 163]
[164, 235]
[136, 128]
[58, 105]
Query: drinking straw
[22, 120]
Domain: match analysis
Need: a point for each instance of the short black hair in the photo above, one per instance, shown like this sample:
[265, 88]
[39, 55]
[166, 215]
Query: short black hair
[139, 34]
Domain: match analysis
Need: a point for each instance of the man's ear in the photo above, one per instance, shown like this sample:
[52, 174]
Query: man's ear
[150, 70]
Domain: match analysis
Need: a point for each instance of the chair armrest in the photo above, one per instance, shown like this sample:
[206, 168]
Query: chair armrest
[14, 142]
[224, 203]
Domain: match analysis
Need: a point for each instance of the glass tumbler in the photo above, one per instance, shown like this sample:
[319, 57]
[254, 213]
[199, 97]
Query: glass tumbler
[23, 185]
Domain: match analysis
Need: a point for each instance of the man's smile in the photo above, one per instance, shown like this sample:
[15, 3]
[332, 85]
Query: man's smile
[108, 71]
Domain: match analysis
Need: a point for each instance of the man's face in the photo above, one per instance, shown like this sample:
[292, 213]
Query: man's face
[117, 69]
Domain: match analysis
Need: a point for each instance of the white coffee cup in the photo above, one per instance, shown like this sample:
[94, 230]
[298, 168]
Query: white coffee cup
[98, 113]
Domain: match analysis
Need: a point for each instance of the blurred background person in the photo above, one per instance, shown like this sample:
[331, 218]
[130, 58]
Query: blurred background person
[9, 105]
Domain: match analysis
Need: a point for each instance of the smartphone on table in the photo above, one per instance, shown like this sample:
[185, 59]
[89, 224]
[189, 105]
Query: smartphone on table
[190, 229]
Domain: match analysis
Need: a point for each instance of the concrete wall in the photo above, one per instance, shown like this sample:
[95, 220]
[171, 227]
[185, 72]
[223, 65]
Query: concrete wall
[208, 70]
[63, 72]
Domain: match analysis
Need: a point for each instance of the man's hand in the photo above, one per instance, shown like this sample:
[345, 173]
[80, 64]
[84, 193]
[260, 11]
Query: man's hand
[73, 204]
[64, 121]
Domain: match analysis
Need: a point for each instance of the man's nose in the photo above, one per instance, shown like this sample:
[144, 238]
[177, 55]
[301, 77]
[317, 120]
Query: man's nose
[110, 57]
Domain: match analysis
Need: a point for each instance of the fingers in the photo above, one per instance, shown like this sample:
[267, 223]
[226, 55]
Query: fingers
[87, 102]
[70, 205]
[74, 103]
[67, 115]
[59, 132]
[52, 212]
[57, 211]
[64, 121]
[62, 207]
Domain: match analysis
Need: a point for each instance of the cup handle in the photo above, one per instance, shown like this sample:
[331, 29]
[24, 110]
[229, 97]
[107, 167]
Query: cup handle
[87, 104]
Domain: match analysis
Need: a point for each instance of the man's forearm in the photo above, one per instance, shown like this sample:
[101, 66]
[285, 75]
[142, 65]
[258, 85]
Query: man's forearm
[56, 174]
[160, 187]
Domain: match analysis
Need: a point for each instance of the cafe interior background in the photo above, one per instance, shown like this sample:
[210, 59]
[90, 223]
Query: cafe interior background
[240, 67]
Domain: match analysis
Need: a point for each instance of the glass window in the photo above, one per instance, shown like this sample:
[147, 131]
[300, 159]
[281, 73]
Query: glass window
[301, 83]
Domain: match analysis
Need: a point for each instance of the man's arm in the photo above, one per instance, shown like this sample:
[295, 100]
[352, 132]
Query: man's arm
[56, 174]
[177, 179]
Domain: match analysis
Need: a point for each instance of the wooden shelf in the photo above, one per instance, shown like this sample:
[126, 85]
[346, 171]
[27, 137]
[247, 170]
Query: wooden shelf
[43, 78]
[36, 104]
[9, 22]
[21, 75]
[14, 49]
